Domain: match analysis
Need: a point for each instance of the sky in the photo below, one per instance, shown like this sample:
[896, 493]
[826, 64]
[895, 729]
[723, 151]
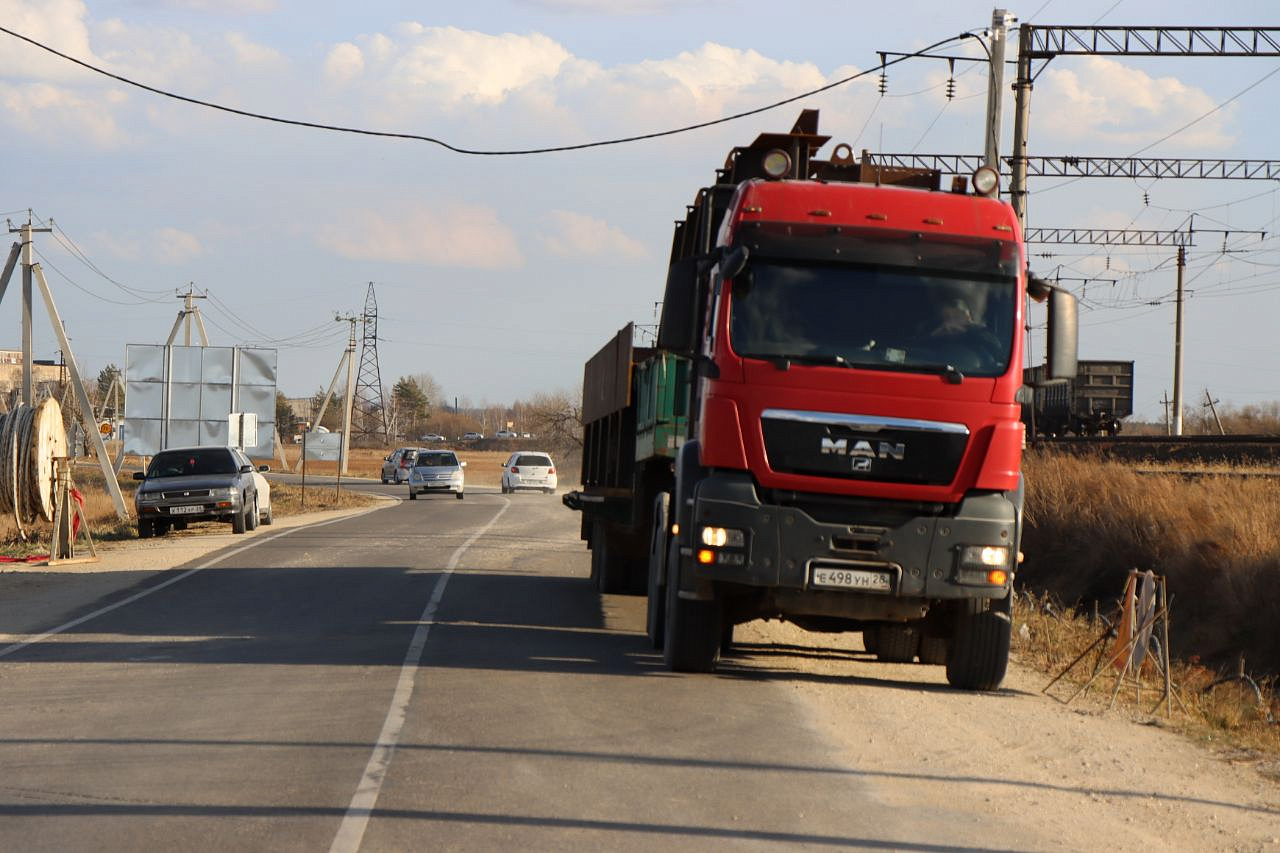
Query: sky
[501, 275]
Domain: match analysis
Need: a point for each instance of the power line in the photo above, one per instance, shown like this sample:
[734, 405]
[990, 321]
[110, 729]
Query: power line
[477, 151]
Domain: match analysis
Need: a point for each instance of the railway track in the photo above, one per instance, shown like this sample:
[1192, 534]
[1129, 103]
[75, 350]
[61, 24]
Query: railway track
[1259, 449]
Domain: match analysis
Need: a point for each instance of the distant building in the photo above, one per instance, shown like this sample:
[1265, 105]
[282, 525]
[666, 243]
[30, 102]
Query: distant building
[45, 373]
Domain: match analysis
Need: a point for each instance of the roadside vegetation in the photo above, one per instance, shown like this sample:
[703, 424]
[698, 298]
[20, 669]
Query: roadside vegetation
[1215, 537]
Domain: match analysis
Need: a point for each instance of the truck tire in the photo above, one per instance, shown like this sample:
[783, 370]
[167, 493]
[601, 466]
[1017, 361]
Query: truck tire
[251, 519]
[608, 570]
[870, 638]
[691, 642]
[659, 542]
[237, 522]
[933, 650]
[897, 643]
[980, 650]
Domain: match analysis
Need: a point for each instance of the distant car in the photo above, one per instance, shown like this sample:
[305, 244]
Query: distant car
[397, 465]
[506, 434]
[432, 436]
[471, 436]
[185, 484]
[529, 471]
[436, 471]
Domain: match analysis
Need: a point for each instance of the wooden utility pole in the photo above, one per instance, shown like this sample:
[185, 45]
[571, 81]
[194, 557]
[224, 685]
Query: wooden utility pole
[1213, 409]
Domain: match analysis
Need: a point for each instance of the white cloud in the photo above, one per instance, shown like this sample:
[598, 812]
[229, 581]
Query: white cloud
[1103, 101]
[60, 24]
[452, 65]
[58, 114]
[234, 6]
[578, 236]
[444, 235]
[168, 246]
[250, 53]
[715, 74]
[171, 246]
[345, 62]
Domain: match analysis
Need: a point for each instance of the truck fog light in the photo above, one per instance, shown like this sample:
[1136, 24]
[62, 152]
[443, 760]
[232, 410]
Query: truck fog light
[723, 537]
[706, 556]
[984, 556]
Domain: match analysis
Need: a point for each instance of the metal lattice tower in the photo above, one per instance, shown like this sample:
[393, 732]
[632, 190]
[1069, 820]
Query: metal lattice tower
[370, 417]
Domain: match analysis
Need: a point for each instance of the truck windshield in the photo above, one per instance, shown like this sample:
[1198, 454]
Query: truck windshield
[874, 316]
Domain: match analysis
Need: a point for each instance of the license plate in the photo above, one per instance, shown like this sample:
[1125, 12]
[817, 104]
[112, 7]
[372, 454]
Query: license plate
[185, 510]
[852, 579]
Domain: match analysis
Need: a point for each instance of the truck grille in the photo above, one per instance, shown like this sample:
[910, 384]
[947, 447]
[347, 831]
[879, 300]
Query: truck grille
[857, 447]
[185, 493]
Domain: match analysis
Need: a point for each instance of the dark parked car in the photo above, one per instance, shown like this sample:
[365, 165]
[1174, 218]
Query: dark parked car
[187, 484]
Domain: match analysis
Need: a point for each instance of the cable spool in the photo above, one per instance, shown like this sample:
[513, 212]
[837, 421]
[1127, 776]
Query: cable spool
[30, 438]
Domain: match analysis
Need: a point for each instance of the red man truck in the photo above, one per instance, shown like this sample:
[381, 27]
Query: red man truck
[845, 344]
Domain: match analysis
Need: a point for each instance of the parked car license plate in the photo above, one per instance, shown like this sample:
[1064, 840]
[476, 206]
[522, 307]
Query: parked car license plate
[852, 579]
[186, 510]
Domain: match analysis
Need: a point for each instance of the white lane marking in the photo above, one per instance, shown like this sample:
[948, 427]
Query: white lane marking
[356, 820]
[8, 650]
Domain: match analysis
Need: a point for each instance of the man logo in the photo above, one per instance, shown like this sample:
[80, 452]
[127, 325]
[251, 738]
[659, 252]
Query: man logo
[863, 449]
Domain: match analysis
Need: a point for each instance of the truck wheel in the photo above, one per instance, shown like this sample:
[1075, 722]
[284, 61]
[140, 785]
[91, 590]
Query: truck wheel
[726, 634]
[608, 570]
[692, 639]
[897, 643]
[980, 650]
[237, 522]
[659, 542]
[251, 521]
[933, 650]
[270, 517]
[870, 636]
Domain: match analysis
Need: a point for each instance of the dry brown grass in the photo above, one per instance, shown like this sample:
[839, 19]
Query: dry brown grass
[1215, 538]
[1229, 715]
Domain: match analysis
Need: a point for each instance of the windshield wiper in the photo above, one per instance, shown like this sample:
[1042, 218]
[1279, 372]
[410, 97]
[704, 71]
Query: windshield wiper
[783, 362]
[948, 372]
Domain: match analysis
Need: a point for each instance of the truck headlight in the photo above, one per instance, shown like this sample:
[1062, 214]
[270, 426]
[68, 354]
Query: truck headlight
[148, 497]
[984, 557]
[224, 494]
[985, 565]
[723, 537]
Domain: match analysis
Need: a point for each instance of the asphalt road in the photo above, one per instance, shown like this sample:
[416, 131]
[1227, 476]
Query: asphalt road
[432, 675]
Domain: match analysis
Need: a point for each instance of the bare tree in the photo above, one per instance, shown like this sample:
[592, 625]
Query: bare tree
[556, 418]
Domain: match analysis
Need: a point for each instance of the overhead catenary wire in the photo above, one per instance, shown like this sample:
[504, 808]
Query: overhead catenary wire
[457, 149]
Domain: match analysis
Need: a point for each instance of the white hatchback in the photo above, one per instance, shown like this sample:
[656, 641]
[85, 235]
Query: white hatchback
[526, 470]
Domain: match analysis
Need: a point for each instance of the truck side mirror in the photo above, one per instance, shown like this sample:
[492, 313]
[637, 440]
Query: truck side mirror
[1063, 347]
[678, 326]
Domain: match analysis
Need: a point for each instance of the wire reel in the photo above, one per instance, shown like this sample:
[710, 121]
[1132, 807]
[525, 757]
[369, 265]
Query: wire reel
[31, 437]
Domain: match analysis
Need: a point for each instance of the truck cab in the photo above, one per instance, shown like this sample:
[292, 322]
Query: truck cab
[856, 440]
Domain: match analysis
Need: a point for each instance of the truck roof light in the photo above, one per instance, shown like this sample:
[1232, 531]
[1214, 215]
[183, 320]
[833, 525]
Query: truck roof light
[986, 180]
[776, 163]
[878, 217]
[819, 213]
[932, 220]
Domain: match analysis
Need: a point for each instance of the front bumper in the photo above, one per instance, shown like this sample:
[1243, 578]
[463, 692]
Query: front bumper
[221, 510]
[918, 547]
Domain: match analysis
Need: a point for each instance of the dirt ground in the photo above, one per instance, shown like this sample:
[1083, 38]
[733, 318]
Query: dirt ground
[1076, 776]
